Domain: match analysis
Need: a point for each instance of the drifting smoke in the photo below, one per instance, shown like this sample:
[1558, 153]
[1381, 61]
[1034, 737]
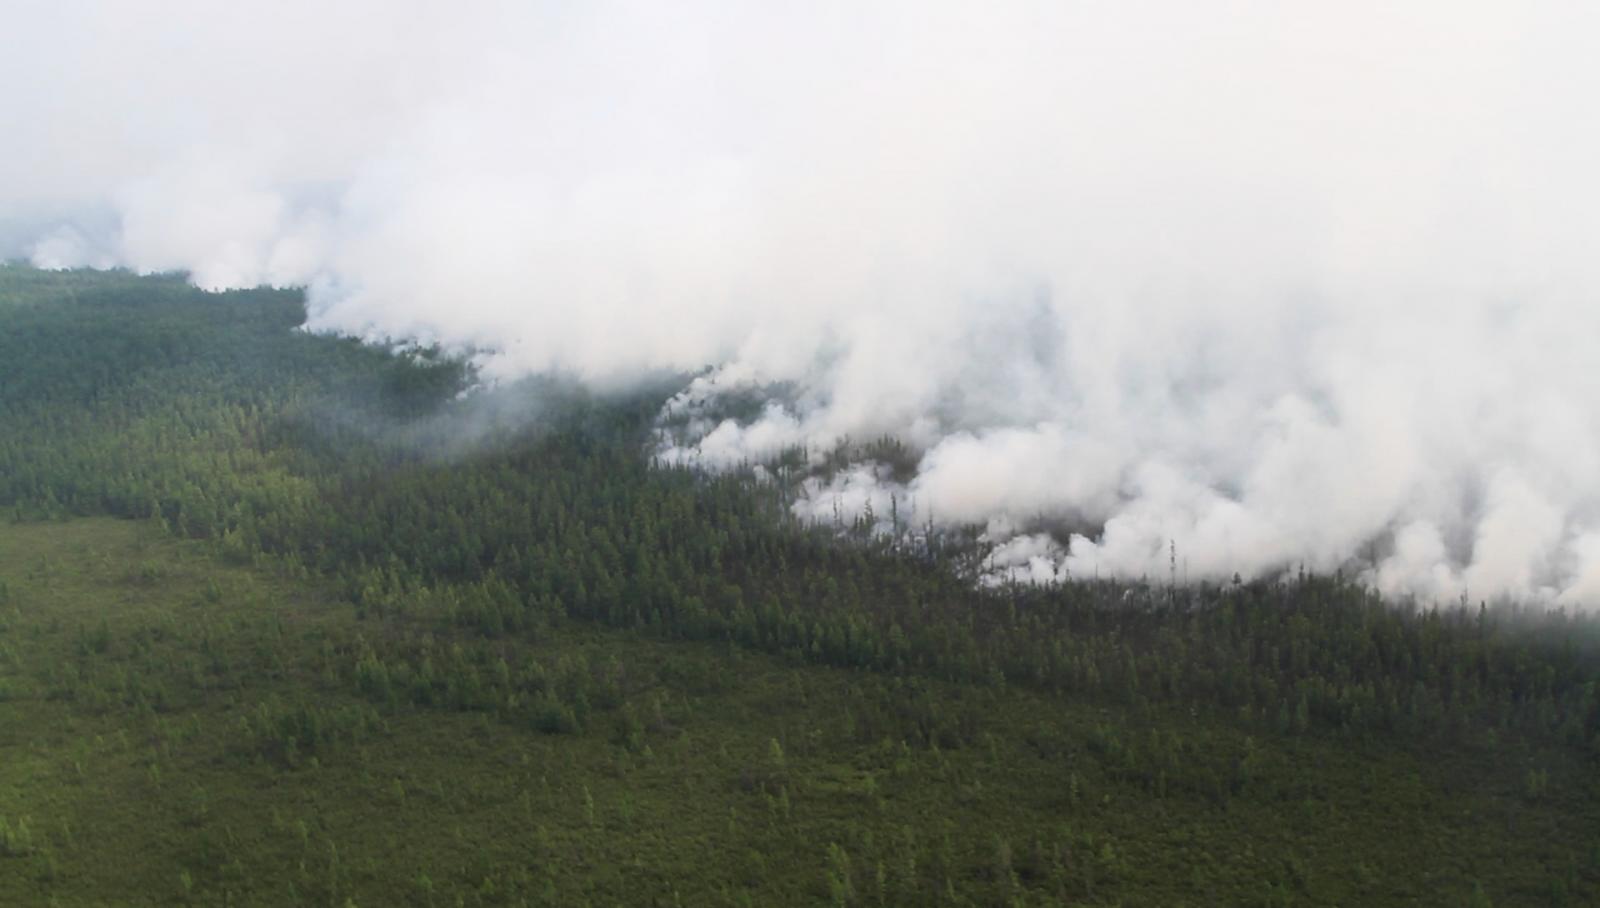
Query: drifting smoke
[1282, 284]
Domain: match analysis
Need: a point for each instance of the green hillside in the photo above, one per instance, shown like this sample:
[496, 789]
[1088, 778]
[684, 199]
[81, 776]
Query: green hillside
[288, 619]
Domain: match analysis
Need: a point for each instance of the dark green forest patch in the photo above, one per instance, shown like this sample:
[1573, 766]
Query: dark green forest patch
[179, 728]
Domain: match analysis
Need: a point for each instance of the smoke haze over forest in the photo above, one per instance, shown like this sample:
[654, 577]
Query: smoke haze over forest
[1278, 285]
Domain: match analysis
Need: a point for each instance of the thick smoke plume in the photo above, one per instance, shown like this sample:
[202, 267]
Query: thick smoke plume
[1279, 284]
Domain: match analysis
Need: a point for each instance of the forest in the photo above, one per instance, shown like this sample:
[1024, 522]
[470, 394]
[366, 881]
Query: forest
[289, 618]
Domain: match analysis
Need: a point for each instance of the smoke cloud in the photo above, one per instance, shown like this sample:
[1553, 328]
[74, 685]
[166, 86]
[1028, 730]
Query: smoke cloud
[1272, 283]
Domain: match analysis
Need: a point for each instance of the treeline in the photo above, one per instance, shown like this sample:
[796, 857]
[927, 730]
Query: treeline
[500, 513]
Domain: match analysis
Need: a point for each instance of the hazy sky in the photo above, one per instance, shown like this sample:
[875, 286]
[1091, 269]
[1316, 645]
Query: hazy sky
[1278, 282]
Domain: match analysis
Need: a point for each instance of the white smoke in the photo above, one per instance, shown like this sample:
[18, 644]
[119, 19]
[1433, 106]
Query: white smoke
[1280, 284]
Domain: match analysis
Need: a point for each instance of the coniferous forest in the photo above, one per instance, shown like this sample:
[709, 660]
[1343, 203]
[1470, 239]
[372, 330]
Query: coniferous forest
[290, 619]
